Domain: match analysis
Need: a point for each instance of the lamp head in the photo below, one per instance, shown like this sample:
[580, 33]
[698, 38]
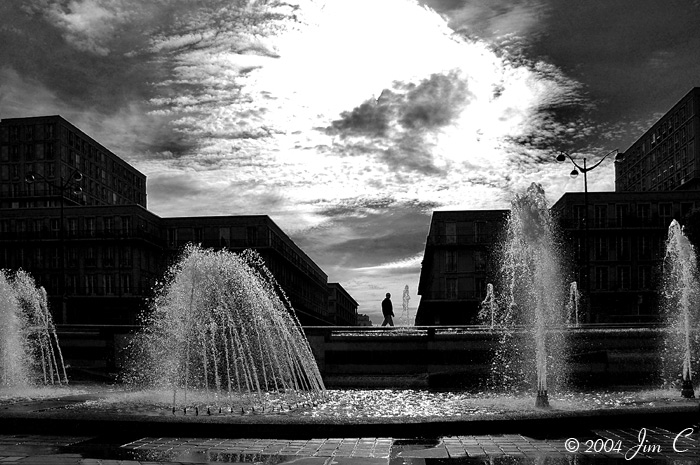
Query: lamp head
[30, 177]
[573, 174]
[561, 157]
[77, 176]
[78, 190]
[620, 156]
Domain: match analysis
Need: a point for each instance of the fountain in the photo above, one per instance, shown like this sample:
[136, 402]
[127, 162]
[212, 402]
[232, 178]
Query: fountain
[406, 299]
[531, 275]
[680, 298]
[29, 349]
[222, 327]
[489, 307]
[572, 307]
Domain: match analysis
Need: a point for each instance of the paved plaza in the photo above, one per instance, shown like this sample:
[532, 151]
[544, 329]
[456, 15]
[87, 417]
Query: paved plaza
[645, 445]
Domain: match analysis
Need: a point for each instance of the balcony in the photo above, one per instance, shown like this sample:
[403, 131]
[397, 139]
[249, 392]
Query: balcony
[627, 222]
[461, 239]
[81, 234]
[454, 296]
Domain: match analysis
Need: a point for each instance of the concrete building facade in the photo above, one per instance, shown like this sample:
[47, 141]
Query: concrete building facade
[98, 251]
[458, 264]
[342, 308]
[52, 149]
[617, 260]
[667, 156]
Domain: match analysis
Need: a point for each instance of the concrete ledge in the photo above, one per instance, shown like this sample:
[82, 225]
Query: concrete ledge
[536, 423]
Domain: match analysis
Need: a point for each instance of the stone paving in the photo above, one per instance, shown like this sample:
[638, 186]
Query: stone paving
[599, 446]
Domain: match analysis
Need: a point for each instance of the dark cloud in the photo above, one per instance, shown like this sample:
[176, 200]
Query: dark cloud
[634, 56]
[37, 49]
[435, 102]
[396, 127]
[369, 232]
[372, 118]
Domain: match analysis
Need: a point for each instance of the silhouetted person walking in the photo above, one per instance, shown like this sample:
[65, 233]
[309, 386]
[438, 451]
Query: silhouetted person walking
[387, 310]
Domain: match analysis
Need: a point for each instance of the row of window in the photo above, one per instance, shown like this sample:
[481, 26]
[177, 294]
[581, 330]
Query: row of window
[27, 132]
[83, 225]
[99, 284]
[621, 278]
[461, 288]
[622, 211]
[604, 279]
[27, 152]
[621, 248]
[469, 262]
[49, 257]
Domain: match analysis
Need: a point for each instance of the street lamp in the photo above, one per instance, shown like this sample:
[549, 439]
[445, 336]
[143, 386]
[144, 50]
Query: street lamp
[574, 174]
[583, 169]
[62, 187]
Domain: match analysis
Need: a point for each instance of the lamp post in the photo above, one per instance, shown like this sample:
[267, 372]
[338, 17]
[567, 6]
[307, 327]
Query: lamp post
[62, 187]
[574, 174]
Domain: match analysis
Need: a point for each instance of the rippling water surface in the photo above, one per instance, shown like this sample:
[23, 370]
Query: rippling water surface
[344, 403]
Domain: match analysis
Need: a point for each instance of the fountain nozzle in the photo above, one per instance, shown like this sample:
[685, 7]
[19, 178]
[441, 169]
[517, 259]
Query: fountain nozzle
[687, 391]
[542, 400]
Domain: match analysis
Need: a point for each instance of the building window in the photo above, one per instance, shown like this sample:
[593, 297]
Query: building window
[109, 284]
[451, 291]
[252, 235]
[601, 248]
[72, 226]
[479, 261]
[579, 215]
[172, 237]
[665, 214]
[601, 278]
[53, 257]
[108, 223]
[623, 277]
[72, 257]
[224, 237]
[90, 226]
[600, 216]
[623, 247]
[480, 234]
[644, 277]
[450, 233]
[90, 257]
[108, 259]
[91, 284]
[643, 211]
[450, 260]
[126, 284]
[125, 259]
[198, 235]
[621, 213]
[71, 284]
[644, 248]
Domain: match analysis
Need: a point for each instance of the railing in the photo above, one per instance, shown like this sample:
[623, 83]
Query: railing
[459, 295]
[467, 329]
[81, 234]
[460, 239]
[612, 223]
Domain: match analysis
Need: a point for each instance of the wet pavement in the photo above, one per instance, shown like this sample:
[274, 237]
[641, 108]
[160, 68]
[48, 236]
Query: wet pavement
[644, 445]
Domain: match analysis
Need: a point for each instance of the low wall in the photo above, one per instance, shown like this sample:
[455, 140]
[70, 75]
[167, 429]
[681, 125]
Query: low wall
[419, 357]
[449, 357]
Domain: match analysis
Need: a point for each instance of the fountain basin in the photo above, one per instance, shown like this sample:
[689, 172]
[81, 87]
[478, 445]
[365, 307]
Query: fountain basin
[351, 413]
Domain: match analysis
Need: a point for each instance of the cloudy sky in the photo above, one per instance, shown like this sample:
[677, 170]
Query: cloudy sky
[349, 122]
